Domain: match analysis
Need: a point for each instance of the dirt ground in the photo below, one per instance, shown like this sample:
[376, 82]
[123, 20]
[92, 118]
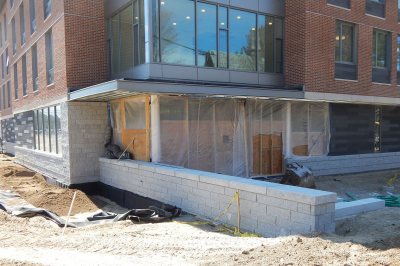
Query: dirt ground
[368, 239]
[362, 185]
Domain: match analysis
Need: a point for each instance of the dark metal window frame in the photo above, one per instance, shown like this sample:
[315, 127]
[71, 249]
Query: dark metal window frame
[341, 3]
[347, 70]
[382, 74]
[376, 8]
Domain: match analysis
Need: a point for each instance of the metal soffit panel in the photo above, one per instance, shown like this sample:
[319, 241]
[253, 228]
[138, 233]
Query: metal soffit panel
[124, 88]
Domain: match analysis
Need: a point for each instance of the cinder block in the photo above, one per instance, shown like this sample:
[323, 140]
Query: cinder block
[187, 174]
[345, 209]
[249, 185]
[211, 188]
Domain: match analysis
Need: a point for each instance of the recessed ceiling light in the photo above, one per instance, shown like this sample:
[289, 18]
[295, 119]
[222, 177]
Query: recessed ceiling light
[270, 23]
[222, 23]
[174, 23]
[187, 17]
[203, 11]
[163, 3]
[253, 28]
[238, 17]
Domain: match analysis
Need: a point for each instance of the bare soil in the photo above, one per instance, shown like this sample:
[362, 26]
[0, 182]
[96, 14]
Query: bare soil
[369, 239]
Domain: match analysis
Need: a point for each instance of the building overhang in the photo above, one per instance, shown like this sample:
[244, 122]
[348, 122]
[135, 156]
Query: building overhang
[122, 88]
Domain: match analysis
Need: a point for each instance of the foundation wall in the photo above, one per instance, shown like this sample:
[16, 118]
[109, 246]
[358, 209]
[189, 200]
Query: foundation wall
[266, 208]
[347, 164]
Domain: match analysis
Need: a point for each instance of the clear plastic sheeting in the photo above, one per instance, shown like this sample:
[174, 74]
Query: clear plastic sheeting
[238, 137]
[116, 123]
[310, 129]
[135, 113]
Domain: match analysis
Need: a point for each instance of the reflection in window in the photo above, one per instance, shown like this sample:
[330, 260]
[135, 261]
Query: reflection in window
[206, 35]
[398, 59]
[242, 49]
[265, 44]
[380, 49]
[177, 30]
[223, 37]
[47, 129]
[127, 38]
[344, 42]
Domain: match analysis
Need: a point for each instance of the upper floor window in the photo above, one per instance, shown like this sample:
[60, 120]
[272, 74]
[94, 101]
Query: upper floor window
[22, 23]
[35, 76]
[398, 59]
[14, 36]
[24, 77]
[217, 36]
[32, 14]
[1, 35]
[49, 57]
[16, 80]
[2, 66]
[11, 3]
[381, 56]
[341, 3]
[8, 94]
[5, 28]
[375, 8]
[46, 8]
[345, 51]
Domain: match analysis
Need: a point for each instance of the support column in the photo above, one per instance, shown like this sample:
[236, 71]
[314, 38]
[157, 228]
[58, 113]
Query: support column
[155, 129]
[288, 150]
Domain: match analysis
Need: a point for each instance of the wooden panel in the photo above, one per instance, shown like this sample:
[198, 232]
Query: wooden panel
[136, 141]
[267, 154]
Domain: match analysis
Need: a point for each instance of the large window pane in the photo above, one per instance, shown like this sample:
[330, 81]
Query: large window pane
[206, 35]
[58, 128]
[49, 57]
[52, 130]
[126, 50]
[24, 77]
[242, 45]
[40, 129]
[223, 37]
[177, 32]
[115, 44]
[22, 23]
[380, 45]
[156, 32]
[36, 129]
[265, 44]
[46, 130]
[344, 42]
[35, 77]
[278, 31]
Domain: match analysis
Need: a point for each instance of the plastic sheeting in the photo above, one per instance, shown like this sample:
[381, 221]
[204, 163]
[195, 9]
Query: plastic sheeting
[116, 121]
[310, 129]
[228, 136]
[135, 113]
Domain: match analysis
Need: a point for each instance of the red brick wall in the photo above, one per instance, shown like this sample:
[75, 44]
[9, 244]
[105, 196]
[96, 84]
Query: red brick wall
[79, 50]
[85, 39]
[317, 69]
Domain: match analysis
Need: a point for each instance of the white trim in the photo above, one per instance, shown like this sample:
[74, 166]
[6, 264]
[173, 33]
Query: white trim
[348, 98]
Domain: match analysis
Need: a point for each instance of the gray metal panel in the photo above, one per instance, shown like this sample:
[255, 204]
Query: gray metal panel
[244, 77]
[273, 7]
[122, 88]
[271, 79]
[179, 72]
[249, 4]
[208, 74]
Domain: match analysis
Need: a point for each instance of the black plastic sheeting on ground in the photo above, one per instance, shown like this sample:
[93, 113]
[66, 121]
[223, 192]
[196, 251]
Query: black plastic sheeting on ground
[13, 204]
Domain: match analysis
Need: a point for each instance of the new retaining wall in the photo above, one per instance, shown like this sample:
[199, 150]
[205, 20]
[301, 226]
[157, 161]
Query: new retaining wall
[266, 208]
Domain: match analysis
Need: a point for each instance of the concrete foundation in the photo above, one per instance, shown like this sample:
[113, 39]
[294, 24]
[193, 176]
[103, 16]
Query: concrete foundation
[266, 208]
[346, 209]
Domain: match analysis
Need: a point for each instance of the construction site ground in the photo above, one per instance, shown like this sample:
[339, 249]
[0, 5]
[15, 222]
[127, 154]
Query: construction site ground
[368, 239]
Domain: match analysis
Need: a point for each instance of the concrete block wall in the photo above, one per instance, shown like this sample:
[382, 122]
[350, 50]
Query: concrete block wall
[266, 208]
[88, 125]
[347, 164]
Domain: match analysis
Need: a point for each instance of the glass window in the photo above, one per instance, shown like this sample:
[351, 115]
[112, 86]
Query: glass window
[380, 49]
[342, 3]
[265, 44]
[46, 130]
[345, 42]
[5, 28]
[1, 35]
[7, 61]
[40, 129]
[127, 47]
[46, 8]
[36, 129]
[398, 59]
[22, 23]
[115, 44]
[49, 58]
[14, 37]
[2, 66]
[8, 94]
[242, 40]
[156, 32]
[58, 129]
[375, 8]
[223, 37]
[24, 77]
[4, 96]
[35, 77]
[32, 13]
[135, 114]
[177, 32]
[16, 81]
[52, 130]
[206, 35]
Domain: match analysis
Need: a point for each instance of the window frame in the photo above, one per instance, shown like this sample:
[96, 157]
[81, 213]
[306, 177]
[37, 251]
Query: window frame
[49, 57]
[41, 142]
[32, 16]
[22, 29]
[47, 4]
